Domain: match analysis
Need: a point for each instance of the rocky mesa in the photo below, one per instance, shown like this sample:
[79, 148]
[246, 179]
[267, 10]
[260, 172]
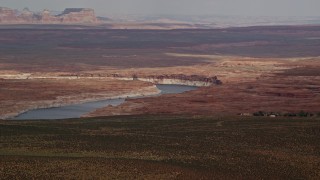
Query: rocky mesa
[68, 16]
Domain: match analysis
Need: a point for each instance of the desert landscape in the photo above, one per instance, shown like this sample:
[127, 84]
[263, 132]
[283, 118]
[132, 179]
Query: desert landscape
[253, 111]
[258, 72]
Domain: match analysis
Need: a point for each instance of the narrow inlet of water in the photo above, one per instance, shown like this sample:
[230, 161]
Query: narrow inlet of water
[77, 110]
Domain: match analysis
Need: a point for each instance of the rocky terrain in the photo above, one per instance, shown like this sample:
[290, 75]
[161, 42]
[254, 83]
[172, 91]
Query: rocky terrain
[68, 16]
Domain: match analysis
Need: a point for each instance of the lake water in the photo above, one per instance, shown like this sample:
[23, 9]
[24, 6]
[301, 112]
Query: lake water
[77, 110]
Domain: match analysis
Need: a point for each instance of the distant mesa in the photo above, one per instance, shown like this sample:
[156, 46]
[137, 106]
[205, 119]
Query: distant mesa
[8, 15]
[84, 15]
[68, 16]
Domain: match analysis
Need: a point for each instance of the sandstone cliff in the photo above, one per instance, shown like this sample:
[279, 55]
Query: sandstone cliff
[68, 16]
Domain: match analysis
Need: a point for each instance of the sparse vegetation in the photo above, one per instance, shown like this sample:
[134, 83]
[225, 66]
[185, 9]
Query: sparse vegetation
[299, 114]
[161, 147]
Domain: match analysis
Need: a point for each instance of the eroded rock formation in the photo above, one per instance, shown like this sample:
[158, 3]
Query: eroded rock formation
[68, 16]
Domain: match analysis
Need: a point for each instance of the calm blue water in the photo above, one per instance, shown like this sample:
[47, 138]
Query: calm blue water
[174, 89]
[77, 110]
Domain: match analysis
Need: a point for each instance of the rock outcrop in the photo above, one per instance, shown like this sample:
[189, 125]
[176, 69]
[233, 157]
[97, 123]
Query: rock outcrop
[68, 16]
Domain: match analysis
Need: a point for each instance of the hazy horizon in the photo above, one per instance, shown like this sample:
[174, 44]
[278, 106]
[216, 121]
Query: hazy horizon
[179, 7]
